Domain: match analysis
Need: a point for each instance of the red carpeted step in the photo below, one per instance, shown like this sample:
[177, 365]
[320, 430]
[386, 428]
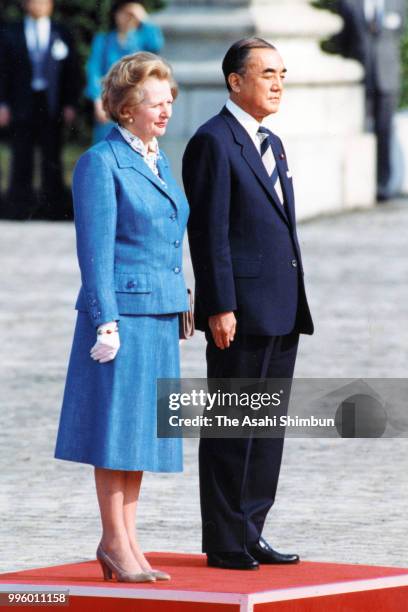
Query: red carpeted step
[305, 587]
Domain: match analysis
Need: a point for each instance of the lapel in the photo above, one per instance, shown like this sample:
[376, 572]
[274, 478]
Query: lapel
[127, 158]
[22, 44]
[253, 159]
[50, 62]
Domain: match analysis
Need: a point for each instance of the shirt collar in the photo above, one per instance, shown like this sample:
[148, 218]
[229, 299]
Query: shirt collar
[249, 123]
[138, 145]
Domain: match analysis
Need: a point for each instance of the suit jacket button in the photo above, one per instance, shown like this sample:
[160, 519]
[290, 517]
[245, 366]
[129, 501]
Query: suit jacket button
[177, 243]
[294, 263]
[173, 216]
[176, 270]
[130, 284]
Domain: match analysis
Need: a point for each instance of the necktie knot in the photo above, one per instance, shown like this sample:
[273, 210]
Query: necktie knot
[262, 134]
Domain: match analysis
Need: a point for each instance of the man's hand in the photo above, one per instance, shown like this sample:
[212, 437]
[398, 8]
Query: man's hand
[5, 115]
[137, 13]
[223, 328]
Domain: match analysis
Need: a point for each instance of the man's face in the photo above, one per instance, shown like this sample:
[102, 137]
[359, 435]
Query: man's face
[259, 90]
[39, 8]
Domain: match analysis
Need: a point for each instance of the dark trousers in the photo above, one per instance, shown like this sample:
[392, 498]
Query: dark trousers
[44, 132]
[381, 107]
[239, 477]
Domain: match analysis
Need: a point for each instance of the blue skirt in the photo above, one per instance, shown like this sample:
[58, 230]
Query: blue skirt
[109, 411]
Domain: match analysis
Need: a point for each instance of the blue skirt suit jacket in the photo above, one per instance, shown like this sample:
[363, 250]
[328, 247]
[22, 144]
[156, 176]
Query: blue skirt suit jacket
[130, 228]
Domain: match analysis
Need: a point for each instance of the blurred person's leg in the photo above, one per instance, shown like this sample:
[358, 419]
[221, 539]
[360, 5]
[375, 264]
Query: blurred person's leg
[53, 194]
[384, 108]
[20, 201]
[369, 125]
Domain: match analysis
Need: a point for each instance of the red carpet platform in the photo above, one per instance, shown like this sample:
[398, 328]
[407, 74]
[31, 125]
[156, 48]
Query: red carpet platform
[306, 587]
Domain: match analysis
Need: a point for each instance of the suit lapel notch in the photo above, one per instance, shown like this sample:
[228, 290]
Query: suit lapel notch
[127, 158]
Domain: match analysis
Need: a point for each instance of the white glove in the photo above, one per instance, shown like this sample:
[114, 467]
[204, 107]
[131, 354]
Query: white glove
[107, 343]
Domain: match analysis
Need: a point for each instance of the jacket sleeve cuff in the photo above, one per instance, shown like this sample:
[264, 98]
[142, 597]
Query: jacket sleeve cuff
[101, 313]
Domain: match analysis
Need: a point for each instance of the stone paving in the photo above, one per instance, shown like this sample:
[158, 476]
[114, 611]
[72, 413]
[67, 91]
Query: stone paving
[338, 500]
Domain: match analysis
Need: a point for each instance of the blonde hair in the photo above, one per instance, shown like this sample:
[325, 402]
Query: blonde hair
[123, 85]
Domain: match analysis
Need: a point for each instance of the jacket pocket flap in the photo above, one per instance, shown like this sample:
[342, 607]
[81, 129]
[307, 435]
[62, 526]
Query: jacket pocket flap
[246, 268]
[132, 283]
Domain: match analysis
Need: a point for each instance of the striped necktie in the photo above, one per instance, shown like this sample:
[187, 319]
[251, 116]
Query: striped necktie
[269, 162]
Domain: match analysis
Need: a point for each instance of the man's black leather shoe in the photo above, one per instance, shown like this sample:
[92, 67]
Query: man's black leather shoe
[232, 560]
[265, 554]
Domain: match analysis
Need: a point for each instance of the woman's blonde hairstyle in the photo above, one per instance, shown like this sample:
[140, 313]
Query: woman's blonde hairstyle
[123, 85]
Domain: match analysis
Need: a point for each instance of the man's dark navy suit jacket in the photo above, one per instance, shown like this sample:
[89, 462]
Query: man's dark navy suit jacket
[16, 73]
[244, 248]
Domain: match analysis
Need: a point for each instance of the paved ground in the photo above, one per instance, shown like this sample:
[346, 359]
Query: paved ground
[338, 500]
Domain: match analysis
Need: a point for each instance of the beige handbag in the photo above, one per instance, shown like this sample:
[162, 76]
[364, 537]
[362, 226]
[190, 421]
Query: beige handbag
[186, 319]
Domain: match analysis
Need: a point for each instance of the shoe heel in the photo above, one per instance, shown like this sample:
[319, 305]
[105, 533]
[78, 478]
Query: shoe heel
[107, 572]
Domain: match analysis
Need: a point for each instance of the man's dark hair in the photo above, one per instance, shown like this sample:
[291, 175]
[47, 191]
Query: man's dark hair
[237, 55]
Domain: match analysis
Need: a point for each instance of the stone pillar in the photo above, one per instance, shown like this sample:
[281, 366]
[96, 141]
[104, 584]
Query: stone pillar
[322, 113]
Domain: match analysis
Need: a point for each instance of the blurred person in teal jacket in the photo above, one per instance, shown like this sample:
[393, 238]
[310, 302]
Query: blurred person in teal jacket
[132, 32]
[130, 218]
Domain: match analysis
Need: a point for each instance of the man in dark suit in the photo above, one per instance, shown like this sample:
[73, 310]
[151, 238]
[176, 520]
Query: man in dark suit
[372, 35]
[38, 92]
[250, 296]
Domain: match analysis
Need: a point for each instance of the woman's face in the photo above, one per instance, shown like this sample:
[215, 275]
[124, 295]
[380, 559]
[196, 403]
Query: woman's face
[150, 117]
[129, 16]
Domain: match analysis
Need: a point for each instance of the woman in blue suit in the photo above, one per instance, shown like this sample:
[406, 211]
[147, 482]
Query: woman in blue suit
[131, 32]
[130, 217]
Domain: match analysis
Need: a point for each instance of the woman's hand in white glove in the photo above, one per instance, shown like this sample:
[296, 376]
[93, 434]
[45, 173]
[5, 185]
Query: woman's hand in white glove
[107, 342]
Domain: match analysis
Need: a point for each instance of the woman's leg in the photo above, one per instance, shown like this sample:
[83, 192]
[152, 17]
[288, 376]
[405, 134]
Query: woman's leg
[110, 488]
[133, 480]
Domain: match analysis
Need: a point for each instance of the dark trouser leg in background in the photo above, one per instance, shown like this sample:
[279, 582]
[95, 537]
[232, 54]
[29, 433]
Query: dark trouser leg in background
[20, 197]
[53, 195]
[384, 107]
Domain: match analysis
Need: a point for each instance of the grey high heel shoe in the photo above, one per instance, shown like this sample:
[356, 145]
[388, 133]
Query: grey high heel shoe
[110, 567]
[159, 574]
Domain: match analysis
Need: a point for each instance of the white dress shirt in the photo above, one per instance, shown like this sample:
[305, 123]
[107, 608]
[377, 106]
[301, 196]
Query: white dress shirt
[37, 34]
